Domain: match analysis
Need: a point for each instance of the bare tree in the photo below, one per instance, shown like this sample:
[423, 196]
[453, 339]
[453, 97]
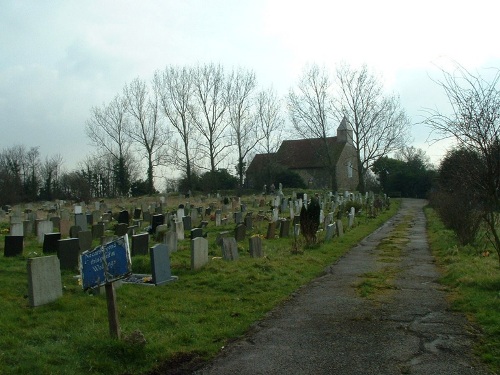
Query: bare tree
[270, 125]
[108, 130]
[242, 117]
[49, 171]
[379, 124]
[175, 88]
[310, 112]
[475, 125]
[209, 112]
[146, 128]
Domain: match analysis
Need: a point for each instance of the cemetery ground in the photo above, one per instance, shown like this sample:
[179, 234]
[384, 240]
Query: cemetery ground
[172, 329]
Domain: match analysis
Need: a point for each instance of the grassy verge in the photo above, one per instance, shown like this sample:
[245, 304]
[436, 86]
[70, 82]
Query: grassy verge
[191, 318]
[474, 283]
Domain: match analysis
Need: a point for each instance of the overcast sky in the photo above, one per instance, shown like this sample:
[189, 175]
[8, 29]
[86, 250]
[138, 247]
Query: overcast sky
[60, 58]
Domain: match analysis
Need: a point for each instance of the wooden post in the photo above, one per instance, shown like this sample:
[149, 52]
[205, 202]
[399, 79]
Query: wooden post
[114, 325]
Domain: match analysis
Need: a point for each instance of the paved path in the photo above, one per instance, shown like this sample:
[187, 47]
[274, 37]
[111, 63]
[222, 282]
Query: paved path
[327, 328]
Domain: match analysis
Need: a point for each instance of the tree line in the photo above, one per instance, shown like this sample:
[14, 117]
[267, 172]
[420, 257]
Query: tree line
[208, 122]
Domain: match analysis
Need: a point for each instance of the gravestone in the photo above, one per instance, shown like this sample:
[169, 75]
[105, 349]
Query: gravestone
[160, 265]
[240, 232]
[186, 221]
[160, 232]
[218, 218]
[223, 221]
[56, 222]
[14, 246]
[171, 241]
[249, 221]
[44, 226]
[68, 252]
[17, 229]
[284, 228]
[121, 229]
[140, 244]
[221, 236]
[296, 230]
[146, 216]
[229, 249]
[85, 240]
[255, 246]
[123, 217]
[340, 228]
[196, 232]
[97, 230]
[90, 219]
[51, 242]
[96, 217]
[73, 231]
[81, 221]
[179, 229]
[199, 253]
[330, 232]
[271, 229]
[132, 229]
[238, 217]
[137, 213]
[64, 226]
[28, 227]
[157, 220]
[44, 280]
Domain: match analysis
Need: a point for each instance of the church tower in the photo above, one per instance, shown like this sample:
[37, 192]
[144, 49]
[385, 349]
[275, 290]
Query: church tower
[344, 132]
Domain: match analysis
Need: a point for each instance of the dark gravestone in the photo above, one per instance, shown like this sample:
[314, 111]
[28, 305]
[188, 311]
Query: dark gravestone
[123, 217]
[196, 232]
[186, 220]
[90, 219]
[73, 231]
[13, 246]
[121, 229]
[68, 252]
[238, 217]
[204, 224]
[140, 243]
[229, 249]
[50, 242]
[157, 220]
[160, 264]
[271, 229]
[255, 246]
[97, 230]
[296, 219]
[249, 221]
[240, 232]
[284, 228]
[131, 230]
[137, 213]
[146, 216]
[85, 240]
[56, 221]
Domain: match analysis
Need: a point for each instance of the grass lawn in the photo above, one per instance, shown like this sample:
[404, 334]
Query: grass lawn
[472, 275]
[193, 317]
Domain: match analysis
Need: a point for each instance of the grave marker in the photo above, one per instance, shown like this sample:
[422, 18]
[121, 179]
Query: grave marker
[44, 280]
[14, 246]
[229, 249]
[51, 242]
[199, 253]
[255, 246]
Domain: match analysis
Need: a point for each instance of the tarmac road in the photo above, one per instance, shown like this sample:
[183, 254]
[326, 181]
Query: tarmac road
[327, 328]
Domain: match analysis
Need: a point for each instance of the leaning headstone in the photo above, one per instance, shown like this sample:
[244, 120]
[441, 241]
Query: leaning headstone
[255, 246]
[51, 242]
[44, 280]
[229, 249]
[340, 228]
[140, 244]
[68, 252]
[14, 246]
[85, 240]
[240, 232]
[271, 229]
[160, 265]
[199, 253]
[44, 226]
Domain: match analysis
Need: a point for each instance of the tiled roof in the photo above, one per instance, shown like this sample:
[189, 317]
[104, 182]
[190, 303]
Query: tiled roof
[307, 153]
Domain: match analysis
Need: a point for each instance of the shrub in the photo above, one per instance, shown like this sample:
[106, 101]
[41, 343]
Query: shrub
[309, 221]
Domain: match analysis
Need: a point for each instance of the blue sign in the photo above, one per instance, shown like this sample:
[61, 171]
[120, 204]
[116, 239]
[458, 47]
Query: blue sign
[105, 263]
